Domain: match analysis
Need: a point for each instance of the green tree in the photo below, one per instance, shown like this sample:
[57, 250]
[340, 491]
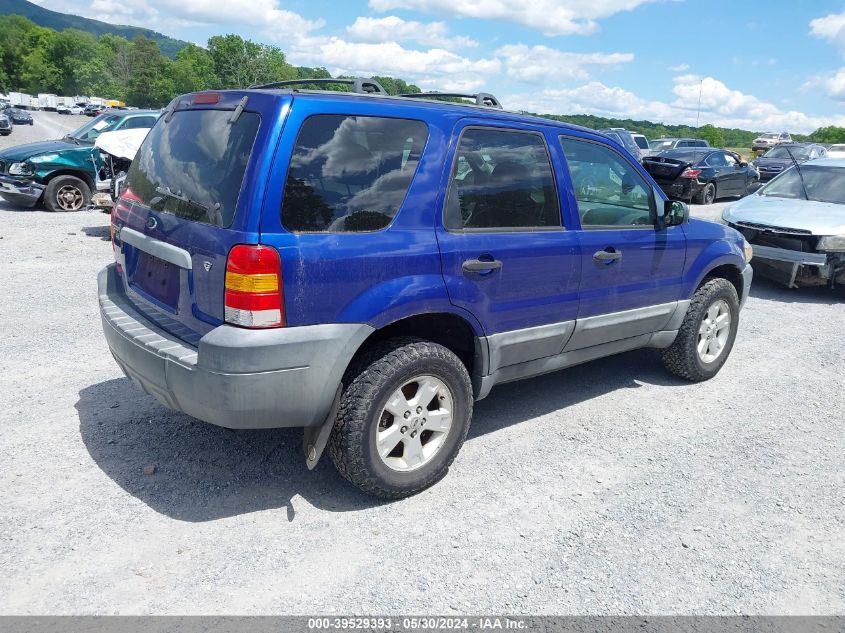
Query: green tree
[150, 82]
[240, 63]
[830, 134]
[193, 70]
[712, 135]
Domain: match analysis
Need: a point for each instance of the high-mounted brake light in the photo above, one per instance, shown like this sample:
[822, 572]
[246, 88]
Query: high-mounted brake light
[205, 97]
[691, 173]
[254, 296]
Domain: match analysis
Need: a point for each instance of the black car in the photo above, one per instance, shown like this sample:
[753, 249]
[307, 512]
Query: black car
[19, 117]
[93, 110]
[701, 174]
[779, 158]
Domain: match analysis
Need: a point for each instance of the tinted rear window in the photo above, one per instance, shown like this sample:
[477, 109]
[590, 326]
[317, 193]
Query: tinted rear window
[193, 166]
[641, 142]
[350, 173]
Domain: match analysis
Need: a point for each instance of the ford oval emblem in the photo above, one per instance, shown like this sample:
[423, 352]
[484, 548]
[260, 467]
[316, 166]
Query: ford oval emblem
[152, 222]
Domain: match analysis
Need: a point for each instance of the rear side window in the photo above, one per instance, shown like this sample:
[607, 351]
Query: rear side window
[350, 173]
[193, 166]
[138, 122]
[641, 142]
[501, 179]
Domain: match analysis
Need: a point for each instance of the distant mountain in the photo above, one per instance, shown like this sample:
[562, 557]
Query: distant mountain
[62, 21]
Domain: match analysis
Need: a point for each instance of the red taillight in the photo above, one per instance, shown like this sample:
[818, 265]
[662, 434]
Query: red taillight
[205, 97]
[254, 295]
[691, 173]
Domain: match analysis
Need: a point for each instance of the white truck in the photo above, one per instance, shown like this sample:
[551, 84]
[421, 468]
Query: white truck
[47, 101]
[20, 100]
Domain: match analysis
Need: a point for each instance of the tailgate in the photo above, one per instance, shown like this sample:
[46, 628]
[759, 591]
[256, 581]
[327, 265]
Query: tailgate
[193, 192]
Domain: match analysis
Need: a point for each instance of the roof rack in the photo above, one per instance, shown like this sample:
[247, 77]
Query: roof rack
[361, 85]
[480, 98]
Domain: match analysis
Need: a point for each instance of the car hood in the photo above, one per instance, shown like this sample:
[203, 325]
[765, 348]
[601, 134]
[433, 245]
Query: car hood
[24, 152]
[820, 218]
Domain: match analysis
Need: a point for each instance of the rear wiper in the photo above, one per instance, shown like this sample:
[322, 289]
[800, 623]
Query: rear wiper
[212, 212]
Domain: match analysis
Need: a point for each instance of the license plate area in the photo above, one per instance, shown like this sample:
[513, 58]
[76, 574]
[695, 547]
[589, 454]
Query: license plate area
[158, 279]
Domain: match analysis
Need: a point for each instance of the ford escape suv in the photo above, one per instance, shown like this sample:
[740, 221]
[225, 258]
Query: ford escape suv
[366, 267]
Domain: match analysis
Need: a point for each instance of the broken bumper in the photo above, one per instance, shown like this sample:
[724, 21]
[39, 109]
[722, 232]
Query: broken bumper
[21, 192]
[794, 268]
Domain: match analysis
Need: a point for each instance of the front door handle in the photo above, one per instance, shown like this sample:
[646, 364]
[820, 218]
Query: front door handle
[607, 256]
[481, 265]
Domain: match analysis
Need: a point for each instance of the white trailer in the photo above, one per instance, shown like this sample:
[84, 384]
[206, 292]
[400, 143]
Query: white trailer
[47, 101]
[19, 99]
[33, 103]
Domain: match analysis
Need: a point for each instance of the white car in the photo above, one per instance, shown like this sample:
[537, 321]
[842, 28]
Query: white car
[836, 151]
[74, 109]
[796, 225]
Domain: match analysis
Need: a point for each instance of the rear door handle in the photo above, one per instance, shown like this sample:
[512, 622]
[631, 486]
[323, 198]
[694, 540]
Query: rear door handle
[481, 265]
[607, 256]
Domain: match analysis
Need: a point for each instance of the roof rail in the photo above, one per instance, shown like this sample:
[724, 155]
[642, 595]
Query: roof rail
[361, 85]
[480, 98]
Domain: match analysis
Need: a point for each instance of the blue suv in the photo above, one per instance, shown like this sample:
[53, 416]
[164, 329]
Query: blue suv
[367, 267]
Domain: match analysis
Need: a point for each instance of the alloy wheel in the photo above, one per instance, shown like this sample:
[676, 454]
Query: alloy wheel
[414, 423]
[714, 331]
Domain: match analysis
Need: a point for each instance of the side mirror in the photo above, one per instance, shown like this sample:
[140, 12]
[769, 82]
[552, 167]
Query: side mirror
[675, 213]
[743, 163]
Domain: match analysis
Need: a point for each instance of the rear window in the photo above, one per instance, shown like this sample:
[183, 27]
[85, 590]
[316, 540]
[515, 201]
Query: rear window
[193, 166]
[641, 142]
[350, 173]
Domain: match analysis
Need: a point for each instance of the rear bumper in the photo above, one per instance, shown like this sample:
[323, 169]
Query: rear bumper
[683, 188]
[235, 378]
[22, 192]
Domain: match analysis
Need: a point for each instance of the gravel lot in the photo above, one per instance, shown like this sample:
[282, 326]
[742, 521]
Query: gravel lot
[608, 488]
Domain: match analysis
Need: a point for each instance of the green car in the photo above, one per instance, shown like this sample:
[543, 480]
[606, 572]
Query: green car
[65, 172]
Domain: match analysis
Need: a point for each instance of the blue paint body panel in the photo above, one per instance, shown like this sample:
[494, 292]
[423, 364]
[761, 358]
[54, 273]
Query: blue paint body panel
[413, 266]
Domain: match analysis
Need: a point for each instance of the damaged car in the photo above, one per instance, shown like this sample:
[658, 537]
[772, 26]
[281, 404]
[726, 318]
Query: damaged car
[796, 225]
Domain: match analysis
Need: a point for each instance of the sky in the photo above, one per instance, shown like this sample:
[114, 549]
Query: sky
[773, 65]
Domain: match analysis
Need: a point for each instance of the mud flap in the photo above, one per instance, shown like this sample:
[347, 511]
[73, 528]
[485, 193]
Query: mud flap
[315, 438]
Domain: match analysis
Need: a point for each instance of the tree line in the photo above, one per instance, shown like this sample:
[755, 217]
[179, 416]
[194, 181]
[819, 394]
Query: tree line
[36, 59]
[72, 62]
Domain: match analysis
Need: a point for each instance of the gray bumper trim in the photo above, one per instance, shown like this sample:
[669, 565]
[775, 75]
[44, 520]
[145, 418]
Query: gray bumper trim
[236, 378]
[747, 277]
[793, 257]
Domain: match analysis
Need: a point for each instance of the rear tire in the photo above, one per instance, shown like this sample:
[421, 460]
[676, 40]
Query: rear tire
[397, 455]
[66, 193]
[705, 339]
[707, 195]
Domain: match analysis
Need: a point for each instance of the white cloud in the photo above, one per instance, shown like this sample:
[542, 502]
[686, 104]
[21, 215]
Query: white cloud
[392, 28]
[389, 58]
[720, 105]
[541, 63]
[830, 28]
[550, 17]
[679, 68]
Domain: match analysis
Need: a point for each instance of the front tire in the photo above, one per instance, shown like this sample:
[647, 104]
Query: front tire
[707, 334]
[403, 416]
[66, 193]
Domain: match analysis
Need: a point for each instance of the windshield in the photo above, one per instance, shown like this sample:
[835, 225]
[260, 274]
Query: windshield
[824, 184]
[769, 136]
[91, 130]
[800, 153]
[661, 145]
[193, 165]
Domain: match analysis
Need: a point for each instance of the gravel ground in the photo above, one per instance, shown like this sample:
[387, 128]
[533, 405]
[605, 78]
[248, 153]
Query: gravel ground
[610, 488]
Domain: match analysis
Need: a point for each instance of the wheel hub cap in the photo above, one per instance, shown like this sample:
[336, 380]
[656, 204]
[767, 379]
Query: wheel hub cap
[414, 423]
[714, 331]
